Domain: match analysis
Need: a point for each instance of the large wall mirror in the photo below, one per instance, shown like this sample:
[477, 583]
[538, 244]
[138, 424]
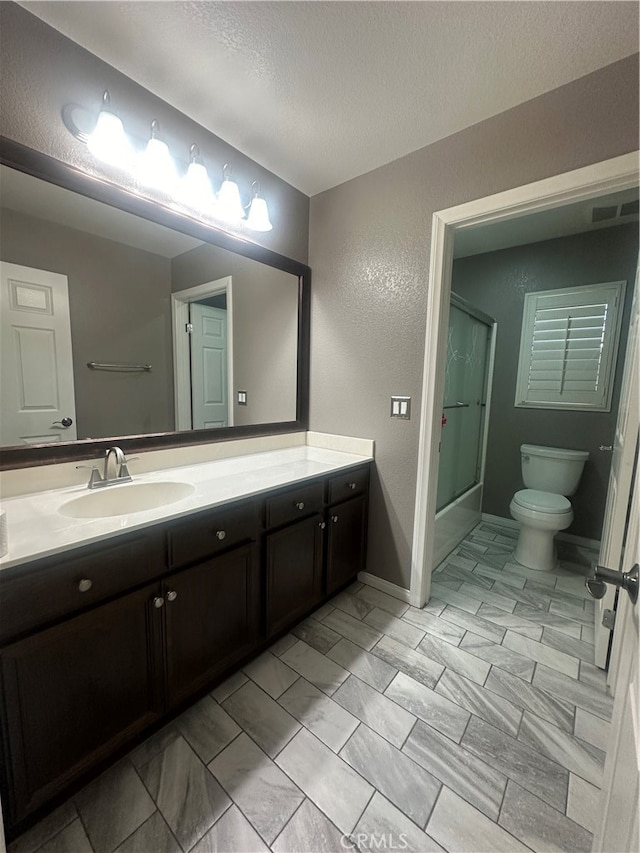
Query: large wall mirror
[123, 320]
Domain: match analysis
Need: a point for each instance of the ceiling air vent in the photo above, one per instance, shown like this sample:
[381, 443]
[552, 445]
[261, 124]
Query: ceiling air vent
[599, 214]
[630, 208]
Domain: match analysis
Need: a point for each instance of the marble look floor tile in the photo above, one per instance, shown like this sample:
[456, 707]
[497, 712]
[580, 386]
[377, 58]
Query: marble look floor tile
[263, 793]
[500, 595]
[571, 611]
[583, 803]
[353, 629]
[390, 625]
[351, 604]
[72, 839]
[461, 771]
[518, 761]
[338, 790]
[468, 622]
[323, 611]
[457, 659]
[382, 821]
[369, 668]
[584, 696]
[376, 598]
[207, 728]
[450, 596]
[532, 598]
[154, 834]
[271, 674]
[515, 570]
[233, 683]
[460, 827]
[574, 585]
[529, 698]
[587, 634]
[550, 620]
[444, 581]
[494, 561]
[433, 708]
[51, 825]
[409, 661]
[458, 560]
[328, 720]
[483, 703]
[186, 793]
[435, 625]
[401, 780]
[471, 547]
[512, 621]
[593, 730]
[281, 645]
[434, 606]
[315, 667]
[113, 806]
[570, 645]
[376, 710]
[539, 825]
[454, 572]
[315, 634]
[232, 833]
[499, 575]
[260, 716]
[154, 744]
[562, 596]
[498, 655]
[576, 755]
[541, 654]
[308, 831]
[593, 675]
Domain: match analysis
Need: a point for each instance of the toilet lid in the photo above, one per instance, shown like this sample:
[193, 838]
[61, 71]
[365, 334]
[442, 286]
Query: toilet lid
[542, 501]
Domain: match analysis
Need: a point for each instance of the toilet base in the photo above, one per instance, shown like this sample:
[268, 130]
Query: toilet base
[536, 549]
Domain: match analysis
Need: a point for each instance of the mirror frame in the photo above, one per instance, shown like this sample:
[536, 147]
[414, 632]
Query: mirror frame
[39, 165]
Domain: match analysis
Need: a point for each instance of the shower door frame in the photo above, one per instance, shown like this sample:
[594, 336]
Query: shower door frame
[589, 182]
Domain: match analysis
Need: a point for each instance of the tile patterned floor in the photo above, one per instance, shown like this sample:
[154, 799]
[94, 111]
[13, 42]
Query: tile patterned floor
[478, 723]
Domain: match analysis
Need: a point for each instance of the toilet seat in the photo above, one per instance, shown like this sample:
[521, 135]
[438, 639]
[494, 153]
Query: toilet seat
[534, 499]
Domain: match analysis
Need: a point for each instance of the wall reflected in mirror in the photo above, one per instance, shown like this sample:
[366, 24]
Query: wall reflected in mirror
[213, 326]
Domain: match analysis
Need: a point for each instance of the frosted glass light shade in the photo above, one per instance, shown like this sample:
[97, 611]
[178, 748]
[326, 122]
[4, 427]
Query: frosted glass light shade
[156, 167]
[196, 187]
[108, 141]
[258, 218]
[229, 206]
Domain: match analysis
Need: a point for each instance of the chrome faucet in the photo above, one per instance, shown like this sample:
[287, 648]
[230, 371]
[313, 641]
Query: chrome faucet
[121, 472]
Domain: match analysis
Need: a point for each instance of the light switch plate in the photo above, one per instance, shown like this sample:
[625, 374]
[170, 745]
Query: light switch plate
[242, 398]
[401, 408]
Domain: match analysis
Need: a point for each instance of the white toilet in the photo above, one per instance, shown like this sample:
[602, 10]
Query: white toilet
[549, 473]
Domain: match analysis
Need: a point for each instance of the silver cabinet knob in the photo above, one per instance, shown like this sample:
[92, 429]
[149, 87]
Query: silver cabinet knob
[334, 518]
[158, 602]
[322, 525]
[172, 595]
[300, 505]
[352, 486]
[85, 585]
[220, 534]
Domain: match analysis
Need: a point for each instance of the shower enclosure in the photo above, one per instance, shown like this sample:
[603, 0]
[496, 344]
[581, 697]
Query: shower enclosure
[469, 365]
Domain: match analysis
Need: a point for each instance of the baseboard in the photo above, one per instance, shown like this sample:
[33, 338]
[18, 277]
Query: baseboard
[592, 544]
[391, 589]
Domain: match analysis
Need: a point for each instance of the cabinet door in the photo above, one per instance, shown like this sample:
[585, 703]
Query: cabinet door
[212, 614]
[294, 572]
[345, 542]
[76, 692]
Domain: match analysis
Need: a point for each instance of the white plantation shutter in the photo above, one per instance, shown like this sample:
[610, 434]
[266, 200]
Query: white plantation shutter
[568, 347]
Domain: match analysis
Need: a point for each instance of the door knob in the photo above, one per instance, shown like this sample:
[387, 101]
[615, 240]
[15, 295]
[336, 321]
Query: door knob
[597, 585]
[65, 422]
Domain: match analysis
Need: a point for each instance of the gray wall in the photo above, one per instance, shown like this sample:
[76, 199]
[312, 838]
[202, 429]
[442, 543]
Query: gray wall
[369, 251]
[497, 283]
[119, 301]
[42, 70]
[265, 329]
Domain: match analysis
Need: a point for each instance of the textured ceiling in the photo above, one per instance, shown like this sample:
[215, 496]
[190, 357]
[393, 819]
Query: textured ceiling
[320, 92]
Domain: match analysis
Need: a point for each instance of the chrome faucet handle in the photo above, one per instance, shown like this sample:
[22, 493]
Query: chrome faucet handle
[123, 470]
[95, 480]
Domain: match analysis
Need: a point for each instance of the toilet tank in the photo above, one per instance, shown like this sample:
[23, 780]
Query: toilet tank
[552, 469]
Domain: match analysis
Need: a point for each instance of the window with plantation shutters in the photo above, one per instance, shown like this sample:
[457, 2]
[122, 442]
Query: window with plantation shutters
[568, 347]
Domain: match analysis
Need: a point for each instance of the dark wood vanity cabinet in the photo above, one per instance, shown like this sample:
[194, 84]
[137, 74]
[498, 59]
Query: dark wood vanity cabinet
[99, 643]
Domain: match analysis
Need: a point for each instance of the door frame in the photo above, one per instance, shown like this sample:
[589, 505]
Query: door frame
[609, 176]
[181, 357]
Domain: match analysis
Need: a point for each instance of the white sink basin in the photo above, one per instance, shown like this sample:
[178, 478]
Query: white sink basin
[125, 499]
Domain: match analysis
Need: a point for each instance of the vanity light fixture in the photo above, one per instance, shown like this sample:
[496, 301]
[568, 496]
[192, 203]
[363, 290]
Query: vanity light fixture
[155, 166]
[229, 206]
[108, 141]
[258, 217]
[196, 186]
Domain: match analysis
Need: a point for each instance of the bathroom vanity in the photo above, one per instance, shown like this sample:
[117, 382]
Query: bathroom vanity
[104, 638]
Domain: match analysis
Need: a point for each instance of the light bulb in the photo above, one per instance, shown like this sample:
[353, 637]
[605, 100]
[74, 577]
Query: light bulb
[155, 165]
[195, 186]
[108, 141]
[258, 218]
[229, 206]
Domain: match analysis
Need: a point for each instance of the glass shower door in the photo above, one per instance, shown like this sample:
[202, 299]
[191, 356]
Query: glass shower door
[464, 405]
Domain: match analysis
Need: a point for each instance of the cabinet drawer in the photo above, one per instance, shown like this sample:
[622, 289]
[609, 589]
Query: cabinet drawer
[295, 503]
[49, 590]
[212, 532]
[348, 484]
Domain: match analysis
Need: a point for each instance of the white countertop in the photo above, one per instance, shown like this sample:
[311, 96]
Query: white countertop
[37, 528]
